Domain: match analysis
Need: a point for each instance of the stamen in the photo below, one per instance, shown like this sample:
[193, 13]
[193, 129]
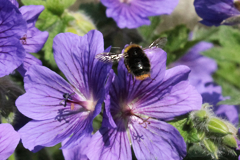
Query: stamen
[61, 115]
[66, 99]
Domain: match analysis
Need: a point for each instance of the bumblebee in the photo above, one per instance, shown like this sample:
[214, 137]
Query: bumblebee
[135, 58]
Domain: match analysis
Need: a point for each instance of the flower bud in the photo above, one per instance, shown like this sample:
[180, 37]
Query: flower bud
[230, 141]
[195, 136]
[201, 115]
[80, 25]
[218, 127]
[211, 147]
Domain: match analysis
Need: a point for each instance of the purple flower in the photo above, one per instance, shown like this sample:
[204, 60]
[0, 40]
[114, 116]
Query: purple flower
[201, 67]
[214, 12]
[135, 13]
[60, 109]
[9, 140]
[12, 27]
[135, 113]
[34, 39]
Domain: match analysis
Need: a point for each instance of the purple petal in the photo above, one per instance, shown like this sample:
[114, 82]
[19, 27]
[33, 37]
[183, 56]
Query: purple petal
[109, 144]
[157, 140]
[212, 94]
[34, 40]
[44, 92]
[9, 140]
[75, 56]
[213, 12]
[78, 152]
[201, 67]
[136, 12]
[28, 61]
[12, 27]
[14, 2]
[51, 132]
[11, 21]
[153, 7]
[11, 55]
[228, 112]
[173, 97]
[129, 87]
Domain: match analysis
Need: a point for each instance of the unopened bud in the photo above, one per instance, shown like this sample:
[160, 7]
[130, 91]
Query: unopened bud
[230, 141]
[80, 25]
[195, 136]
[201, 115]
[218, 127]
[211, 147]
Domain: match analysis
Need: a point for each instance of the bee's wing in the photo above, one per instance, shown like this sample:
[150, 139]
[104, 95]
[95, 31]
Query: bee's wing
[108, 57]
[159, 43]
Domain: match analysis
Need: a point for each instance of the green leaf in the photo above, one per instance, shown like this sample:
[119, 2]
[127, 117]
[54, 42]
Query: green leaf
[177, 37]
[34, 2]
[148, 31]
[58, 27]
[46, 20]
[56, 7]
[180, 125]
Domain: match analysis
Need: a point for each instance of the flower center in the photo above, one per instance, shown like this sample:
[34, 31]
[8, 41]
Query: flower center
[129, 113]
[125, 1]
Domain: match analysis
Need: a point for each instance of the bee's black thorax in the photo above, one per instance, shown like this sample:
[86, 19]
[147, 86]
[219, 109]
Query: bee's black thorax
[136, 61]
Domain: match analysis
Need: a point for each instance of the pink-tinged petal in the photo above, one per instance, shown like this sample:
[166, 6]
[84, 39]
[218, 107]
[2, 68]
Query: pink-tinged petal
[173, 97]
[130, 88]
[75, 56]
[34, 39]
[29, 60]
[44, 93]
[53, 131]
[157, 140]
[109, 144]
[9, 140]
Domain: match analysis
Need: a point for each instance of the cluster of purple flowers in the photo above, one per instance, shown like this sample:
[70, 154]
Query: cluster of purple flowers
[134, 113]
